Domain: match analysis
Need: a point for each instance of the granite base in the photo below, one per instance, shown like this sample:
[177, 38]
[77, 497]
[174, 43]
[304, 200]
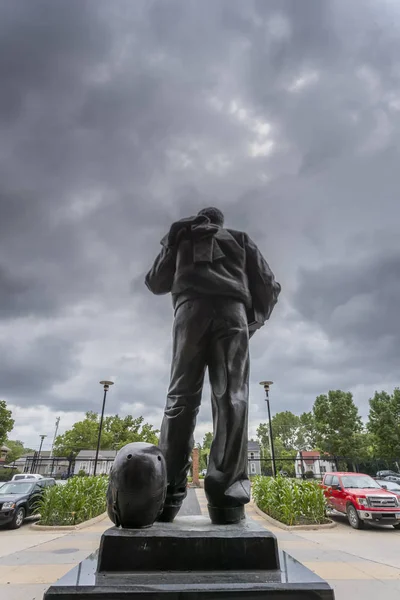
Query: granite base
[190, 559]
[189, 544]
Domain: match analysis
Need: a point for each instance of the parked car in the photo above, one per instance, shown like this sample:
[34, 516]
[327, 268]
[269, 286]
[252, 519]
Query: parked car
[24, 476]
[361, 498]
[389, 475]
[391, 486]
[204, 472]
[18, 500]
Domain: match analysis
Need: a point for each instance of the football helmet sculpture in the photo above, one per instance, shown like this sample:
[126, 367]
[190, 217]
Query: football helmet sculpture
[137, 486]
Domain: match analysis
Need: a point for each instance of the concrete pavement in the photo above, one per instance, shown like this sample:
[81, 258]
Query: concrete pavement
[31, 560]
[358, 564]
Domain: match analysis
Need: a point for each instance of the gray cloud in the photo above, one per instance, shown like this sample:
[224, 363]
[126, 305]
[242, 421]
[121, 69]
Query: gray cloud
[117, 118]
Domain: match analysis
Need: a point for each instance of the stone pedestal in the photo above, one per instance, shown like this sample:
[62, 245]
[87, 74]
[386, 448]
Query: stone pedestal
[190, 559]
[188, 544]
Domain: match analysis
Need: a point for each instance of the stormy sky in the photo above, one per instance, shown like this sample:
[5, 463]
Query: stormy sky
[117, 118]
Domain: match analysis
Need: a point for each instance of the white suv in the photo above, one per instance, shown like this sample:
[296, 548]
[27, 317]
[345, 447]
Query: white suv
[21, 476]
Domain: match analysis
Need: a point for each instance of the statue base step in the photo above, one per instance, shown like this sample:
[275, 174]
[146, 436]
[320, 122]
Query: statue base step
[189, 544]
[190, 559]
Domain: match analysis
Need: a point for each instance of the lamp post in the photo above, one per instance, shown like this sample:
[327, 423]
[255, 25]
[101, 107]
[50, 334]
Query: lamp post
[266, 385]
[106, 385]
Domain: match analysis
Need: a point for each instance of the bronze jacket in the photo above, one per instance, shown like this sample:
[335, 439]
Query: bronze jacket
[201, 259]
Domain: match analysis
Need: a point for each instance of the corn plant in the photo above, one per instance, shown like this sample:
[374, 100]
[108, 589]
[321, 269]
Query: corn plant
[80, 499]
[291, 501]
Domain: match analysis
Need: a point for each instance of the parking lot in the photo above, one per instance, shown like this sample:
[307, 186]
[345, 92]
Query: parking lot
[358, 564]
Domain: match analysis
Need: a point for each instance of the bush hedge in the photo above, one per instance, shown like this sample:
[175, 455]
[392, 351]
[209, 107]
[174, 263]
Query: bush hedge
[80, 499]
[290, 501]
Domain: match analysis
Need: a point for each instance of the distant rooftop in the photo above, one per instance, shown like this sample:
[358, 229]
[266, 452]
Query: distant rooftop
[253, 447]
[103, 454]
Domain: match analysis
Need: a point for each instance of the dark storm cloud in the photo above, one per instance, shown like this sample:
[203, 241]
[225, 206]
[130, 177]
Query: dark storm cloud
[117, 118]
[30, 370]
[354, 301]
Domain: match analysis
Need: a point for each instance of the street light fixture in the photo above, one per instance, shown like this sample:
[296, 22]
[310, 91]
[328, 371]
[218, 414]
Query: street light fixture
[106, 386]
[266, 385]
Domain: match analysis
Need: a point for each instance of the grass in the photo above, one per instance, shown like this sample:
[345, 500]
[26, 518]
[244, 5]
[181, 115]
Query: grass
[290, 501]
[80, 499]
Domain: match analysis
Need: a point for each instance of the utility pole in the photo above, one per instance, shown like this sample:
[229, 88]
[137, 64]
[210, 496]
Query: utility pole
[40, 449]
[55, 435]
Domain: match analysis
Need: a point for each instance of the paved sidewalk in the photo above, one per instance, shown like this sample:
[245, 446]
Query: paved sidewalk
[31, 560]
[359, 565]
[44, 557]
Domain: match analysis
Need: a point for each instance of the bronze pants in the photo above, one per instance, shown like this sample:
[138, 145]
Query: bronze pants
[209, 332]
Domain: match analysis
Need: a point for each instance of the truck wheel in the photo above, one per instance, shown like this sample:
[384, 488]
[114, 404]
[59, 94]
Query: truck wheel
[353, 518]
[18, 519]
[397, 526]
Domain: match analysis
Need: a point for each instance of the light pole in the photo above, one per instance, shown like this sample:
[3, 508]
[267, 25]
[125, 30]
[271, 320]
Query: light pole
[106, 385]
[266, 385]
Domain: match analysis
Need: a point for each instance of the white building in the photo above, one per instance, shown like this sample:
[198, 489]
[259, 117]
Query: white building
[254, 456]
[312, 461]
[45, 464]
[86, 458]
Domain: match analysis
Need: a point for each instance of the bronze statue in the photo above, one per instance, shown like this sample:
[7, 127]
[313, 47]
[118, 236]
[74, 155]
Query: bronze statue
[137, 486]
[222, 291]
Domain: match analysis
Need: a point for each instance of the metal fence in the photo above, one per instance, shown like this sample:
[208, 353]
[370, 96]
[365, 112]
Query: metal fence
[61, 467]
[292, 466]
[316, 467]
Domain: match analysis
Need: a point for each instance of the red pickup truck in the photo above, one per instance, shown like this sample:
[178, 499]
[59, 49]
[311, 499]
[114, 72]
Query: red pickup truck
[361, 498]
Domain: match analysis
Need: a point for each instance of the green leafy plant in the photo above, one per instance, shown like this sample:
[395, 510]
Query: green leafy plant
[291, 501]
[6, 474]
[80, 499]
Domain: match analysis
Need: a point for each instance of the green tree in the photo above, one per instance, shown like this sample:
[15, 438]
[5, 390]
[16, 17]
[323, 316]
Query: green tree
[337, 424]
[204, 449]
[6, 421]
[116, 432]
[17, 449]
[126, 430]
[384, 424]
[207, 440]
[306, 436]
[291, 432]
[284, 456]
[285, 427]
[263, 439]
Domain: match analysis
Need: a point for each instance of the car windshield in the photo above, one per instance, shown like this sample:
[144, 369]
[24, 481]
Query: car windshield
[359, 481]
[390, 485]
[16, 487]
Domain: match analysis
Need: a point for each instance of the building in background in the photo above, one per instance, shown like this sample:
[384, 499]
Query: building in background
[45, 464]
[311, 463]
[254, 456]
[86, 458]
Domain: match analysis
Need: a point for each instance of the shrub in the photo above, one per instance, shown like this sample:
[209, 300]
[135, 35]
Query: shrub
[291, 501]
[80, 499]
